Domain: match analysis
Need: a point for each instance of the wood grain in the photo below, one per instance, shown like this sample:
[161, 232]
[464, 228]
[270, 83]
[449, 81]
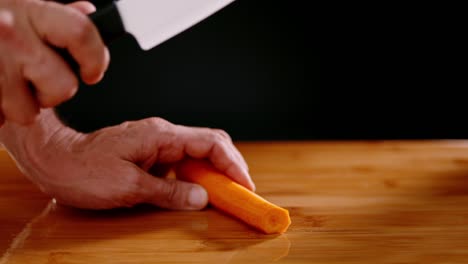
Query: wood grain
[350, 202]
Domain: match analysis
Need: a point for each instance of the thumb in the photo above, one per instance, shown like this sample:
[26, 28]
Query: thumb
[172, 193]
[84, 7]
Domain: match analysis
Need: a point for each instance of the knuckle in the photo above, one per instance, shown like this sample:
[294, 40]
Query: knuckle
[82, 29]
[223, 134]
[39, 59]
[56, 88]
[106, 59]
[68, 88]
[132, 192]
[125, 125]
[170, 192]
[128, 199]
[216, 136]
[134, 182]
[64, 91]
[158, 124]
[11, 112]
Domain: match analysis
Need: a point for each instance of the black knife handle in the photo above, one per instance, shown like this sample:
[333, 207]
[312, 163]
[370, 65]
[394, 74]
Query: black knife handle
[109, 23]
[110, 27]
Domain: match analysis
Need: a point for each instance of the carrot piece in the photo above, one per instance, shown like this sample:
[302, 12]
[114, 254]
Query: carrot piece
[233, 198]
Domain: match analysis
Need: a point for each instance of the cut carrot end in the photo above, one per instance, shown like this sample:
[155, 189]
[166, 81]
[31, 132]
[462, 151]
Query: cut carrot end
[234, 199]
[277, 220]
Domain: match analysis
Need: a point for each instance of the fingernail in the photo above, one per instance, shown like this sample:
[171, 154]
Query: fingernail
[6, 18]
[251, 183]
[198, 197]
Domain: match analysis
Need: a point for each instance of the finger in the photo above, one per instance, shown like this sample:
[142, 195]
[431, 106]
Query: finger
[166, 143]
[2, 78]
[18, 104]
[52, 78]
[2, 118]
[84, 7]
[6, 25]
[66, 27]
[236, 152]
[239, 157]
[204, 143]
[172, 194]
[245, 168]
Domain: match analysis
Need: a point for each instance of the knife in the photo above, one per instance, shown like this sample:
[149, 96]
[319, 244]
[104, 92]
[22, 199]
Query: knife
[150, 22]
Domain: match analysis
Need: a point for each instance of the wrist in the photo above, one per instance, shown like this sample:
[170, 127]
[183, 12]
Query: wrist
[28, 144]
[14, 136]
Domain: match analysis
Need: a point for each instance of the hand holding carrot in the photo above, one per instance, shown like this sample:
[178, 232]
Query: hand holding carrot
[119, 166]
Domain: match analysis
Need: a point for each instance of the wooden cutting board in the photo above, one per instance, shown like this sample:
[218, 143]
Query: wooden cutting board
[350, 202]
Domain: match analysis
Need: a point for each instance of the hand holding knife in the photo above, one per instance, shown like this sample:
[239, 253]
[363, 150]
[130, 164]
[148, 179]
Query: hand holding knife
[150, 22]
[32, 32]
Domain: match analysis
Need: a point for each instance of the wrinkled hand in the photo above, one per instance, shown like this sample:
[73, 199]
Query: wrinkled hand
[28, 30]
[116, 166]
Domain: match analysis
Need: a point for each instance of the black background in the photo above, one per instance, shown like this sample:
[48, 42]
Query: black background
[266, 70]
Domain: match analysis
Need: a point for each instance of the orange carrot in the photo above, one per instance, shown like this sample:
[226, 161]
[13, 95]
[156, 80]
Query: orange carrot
[234, 199]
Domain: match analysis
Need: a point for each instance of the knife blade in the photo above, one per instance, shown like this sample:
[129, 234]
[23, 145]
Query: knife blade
[152, 22]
